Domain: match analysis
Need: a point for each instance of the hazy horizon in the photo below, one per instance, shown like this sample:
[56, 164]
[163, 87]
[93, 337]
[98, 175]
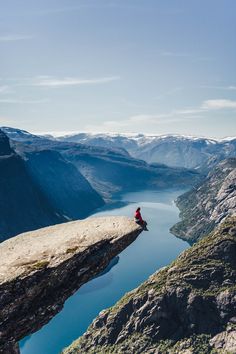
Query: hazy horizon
[125, 66]
[57, 134]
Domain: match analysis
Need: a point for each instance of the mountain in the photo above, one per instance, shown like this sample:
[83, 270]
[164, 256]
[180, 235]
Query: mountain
[40, 188]
[110, 174]
[208, 204]
[172, 150]
[66, 188]
[108, 170]
[23, 206]
[187, 307]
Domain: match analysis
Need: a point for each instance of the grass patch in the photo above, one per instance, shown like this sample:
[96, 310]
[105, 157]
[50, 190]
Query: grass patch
[71, 250]
[39, 265]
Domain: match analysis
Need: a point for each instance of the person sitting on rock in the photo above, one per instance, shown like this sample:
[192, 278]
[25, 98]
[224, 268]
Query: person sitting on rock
[139, 220]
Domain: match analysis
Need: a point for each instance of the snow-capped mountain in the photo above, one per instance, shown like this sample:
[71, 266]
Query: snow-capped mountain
[192, 152]
[173, 150]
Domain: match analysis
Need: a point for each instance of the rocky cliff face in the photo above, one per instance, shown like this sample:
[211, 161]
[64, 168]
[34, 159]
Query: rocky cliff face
[210, 203]
[188, 307]
[5, 149]
[39, 270]
[23, 206]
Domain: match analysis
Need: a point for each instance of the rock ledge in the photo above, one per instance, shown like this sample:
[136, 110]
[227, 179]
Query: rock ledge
[39, 270]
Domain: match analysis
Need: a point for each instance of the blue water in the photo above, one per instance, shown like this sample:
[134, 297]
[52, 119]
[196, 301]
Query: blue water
[151, 251]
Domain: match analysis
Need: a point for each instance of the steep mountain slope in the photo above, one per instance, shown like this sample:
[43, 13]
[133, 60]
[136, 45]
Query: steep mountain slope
[188, 307]
[40, 188]
[22, 204]
[208, 204]
[67, 190]
[172, 150]
[108, 170]
[110, 173]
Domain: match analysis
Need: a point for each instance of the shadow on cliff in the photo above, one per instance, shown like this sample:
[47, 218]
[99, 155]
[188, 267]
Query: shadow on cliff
[93, 285]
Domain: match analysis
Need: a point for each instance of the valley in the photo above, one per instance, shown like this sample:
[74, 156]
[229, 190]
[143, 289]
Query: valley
[60, 180]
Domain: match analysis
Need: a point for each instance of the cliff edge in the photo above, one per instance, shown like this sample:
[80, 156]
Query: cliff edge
[39, 270]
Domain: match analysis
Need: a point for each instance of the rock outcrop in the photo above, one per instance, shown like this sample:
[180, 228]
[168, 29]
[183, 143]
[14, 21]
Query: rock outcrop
[40, 269]
[205, 206]
[188, 307]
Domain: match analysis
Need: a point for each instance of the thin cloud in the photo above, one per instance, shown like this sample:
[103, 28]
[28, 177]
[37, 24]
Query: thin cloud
[175, 54]
[173, 116]
[22, 101]
[4, 89]
[218, 104]
[72, 81]
[136, 121]
[227, 88]
[14, 37]
[169, 93]
[191, 56]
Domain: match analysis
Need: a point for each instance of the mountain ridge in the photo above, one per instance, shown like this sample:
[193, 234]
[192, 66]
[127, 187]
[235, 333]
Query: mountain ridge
[108, 170]
[173, 150]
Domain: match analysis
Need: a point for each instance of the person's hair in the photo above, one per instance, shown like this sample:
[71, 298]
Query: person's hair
[138, 209]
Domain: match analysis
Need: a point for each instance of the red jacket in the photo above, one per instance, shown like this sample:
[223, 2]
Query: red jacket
[138, 216]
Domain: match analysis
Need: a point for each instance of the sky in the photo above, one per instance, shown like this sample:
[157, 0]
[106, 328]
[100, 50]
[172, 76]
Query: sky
[145, 66]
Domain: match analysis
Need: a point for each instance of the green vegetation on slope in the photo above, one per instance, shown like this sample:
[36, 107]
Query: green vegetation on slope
[186, 305]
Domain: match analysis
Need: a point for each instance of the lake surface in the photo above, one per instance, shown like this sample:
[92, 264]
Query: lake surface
[151, 251]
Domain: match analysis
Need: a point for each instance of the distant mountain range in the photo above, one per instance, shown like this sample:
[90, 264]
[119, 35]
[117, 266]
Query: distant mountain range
[108, 169]
[47, 181]
[172, 150]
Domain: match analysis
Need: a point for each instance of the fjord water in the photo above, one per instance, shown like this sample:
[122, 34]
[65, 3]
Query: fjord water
[151, 251]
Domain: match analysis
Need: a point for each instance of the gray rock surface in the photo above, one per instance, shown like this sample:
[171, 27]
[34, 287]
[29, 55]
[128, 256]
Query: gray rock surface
[207, 205]
[39, 270]
[188, 307]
